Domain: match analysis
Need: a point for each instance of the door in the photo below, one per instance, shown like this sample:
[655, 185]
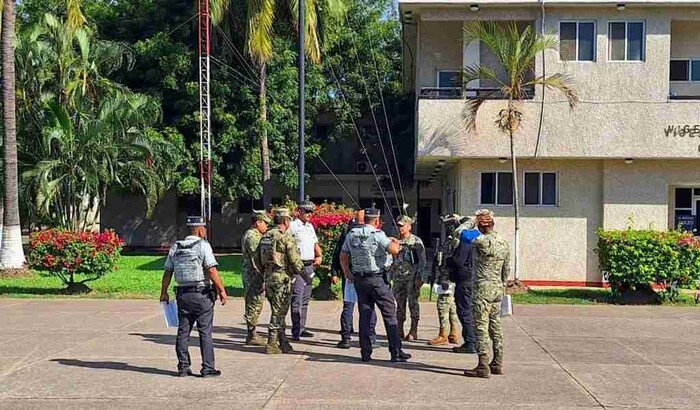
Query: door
[424, 228]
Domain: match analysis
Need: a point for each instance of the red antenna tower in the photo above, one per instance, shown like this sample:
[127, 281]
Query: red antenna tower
[204, 25]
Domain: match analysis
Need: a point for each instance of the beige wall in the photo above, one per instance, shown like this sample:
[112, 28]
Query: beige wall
[556, 242]
[685, 43]
[440, 48]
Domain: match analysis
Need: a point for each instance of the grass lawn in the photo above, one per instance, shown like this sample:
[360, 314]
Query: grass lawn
[138, 277]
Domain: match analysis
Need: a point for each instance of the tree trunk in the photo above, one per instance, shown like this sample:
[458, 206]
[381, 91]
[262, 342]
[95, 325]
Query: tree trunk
[11, 252]
[516, 210]
[264, 150]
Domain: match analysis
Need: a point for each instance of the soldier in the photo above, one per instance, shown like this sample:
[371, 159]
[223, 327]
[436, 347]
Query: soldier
[253, 284]
[279, 259]
[408, 274]
[367, 246]
[447, 310]
[193, 264]
[492, 271]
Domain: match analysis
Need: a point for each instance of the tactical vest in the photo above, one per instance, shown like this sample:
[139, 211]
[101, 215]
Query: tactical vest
[187, 261]
[363, 248]
[272, 252]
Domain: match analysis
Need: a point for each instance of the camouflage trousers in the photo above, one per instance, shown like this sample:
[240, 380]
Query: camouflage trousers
[254, 294]
[278, 286]
[487, 318]
[405, 291]
[447, 312]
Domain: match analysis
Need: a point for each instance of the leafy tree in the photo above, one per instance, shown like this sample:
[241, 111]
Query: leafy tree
[87, 134]
[515, 50]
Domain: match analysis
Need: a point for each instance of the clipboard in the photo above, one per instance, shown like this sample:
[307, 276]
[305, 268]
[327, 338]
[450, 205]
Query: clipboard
[169, 310]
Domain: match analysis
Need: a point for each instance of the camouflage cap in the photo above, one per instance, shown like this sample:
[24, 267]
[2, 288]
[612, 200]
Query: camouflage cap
[307, 206]
[468, 222]
[450, 219]
[261, 216]
[404, 220]
[281, 212]
[195, 221]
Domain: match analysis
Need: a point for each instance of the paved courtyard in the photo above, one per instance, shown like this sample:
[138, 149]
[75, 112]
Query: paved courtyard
[118, 354]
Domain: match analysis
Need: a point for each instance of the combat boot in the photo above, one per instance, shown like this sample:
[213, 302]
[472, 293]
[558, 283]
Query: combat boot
[466, 348]
[413, 333]
[440, 340]
[496, 365]
[284, 343]
[481, 370]
[453, 338]
[273, 344]
[254, 339]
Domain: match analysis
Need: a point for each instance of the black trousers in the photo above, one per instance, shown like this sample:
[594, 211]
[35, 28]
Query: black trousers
[373, 291]
[195, 307]
[301, 295]
[463, 300]
[346, 319]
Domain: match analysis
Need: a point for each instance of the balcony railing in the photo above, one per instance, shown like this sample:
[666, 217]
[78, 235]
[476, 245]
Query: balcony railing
[458, 93]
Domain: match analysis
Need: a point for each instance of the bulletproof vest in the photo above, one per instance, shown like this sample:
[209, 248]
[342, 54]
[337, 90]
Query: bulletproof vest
[363, 247]
[187, 261]
[272, 251]
[404, 264]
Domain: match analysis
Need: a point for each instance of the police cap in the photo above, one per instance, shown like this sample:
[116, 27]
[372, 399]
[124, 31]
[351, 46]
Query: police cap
[195, 221]
[372, 213]
[307, 206]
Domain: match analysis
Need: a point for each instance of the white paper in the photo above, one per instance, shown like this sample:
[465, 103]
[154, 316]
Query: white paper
[507, 306]
[437, 289]
[170, 313]
[349, 294]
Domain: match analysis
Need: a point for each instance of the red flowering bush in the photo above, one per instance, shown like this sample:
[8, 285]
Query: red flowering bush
[69, 253]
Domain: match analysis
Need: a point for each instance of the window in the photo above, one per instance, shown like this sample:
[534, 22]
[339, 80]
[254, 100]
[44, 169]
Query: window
[541, 188]
[577, 41]
[626, 40]
[449, 79]
[685, 70]
[683, 215]
[496, 188]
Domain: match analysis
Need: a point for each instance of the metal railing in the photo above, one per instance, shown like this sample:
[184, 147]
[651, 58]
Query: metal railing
[458, 93]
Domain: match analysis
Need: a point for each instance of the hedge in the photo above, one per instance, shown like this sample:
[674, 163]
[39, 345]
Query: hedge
[635, 259]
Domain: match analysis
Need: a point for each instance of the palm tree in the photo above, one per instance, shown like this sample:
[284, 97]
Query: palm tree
[261, 18]
[515, 49]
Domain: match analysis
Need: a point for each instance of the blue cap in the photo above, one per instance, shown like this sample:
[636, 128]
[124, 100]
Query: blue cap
[195, 221]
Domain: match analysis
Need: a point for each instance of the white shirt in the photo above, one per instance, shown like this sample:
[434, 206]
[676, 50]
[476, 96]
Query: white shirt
[305, 237]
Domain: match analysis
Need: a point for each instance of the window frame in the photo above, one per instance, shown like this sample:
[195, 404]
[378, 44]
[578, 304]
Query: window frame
[495, 181]
[541, 190]
[644, 41]
[595, 40]
[690, 61]
[437, 77]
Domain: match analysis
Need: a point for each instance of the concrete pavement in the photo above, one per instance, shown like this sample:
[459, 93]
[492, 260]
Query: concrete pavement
[118, 354]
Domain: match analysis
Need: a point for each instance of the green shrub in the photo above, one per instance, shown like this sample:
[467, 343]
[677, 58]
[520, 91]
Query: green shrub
[635, 259]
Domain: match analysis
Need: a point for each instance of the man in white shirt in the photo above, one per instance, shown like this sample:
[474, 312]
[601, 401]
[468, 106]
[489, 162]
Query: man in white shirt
[310, 251]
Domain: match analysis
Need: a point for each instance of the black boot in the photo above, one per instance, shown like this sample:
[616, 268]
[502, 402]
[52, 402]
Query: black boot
[466, 348]
[284, 343]
[481, 370]
[400, 357]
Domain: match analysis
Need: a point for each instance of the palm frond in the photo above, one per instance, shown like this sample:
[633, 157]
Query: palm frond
[75, 18]
[217, 10]
[559, 82]
[471, 108]
[261, 14]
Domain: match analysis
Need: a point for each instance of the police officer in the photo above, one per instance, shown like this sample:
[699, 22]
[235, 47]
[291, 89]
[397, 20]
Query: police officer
[348, 307]
[193, 264]
[408, 274]
[279, 259]
[462, 262]
[366, 247]
[253, 283]
[492, 271]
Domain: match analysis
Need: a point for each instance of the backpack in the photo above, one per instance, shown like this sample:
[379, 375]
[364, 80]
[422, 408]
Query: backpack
[188, 263]
[271, 256]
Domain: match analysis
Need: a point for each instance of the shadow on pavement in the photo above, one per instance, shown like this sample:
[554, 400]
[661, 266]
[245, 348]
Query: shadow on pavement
[114, 366]
[239, 345]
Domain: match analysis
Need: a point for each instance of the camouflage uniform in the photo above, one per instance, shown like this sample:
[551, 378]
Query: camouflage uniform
[279, 258]
[492, 270]
[446, 307]
[408, 266]
[253, 283]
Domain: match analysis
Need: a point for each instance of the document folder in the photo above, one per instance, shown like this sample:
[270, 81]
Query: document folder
[170, 313]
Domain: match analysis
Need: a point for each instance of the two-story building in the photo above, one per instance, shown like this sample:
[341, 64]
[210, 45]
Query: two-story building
[627, 155]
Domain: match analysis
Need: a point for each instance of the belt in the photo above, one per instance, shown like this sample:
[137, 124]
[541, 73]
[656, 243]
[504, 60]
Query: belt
[308, 263]
[369, 274]
[193, 289]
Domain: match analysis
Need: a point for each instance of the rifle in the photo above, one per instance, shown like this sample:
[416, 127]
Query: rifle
[437, 263]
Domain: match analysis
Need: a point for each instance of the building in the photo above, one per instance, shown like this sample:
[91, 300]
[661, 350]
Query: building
[627, 155]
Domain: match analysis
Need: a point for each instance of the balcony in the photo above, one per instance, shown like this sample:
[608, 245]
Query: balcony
[459, 93]
[684, 65]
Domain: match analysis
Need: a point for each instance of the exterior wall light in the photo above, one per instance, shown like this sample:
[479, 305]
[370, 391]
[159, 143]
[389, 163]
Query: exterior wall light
[441, 162]
[503, 160]
[629, 161]
[474, 7]
[620, 6]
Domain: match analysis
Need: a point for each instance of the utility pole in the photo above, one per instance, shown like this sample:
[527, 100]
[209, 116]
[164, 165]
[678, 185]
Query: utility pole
[300, 48]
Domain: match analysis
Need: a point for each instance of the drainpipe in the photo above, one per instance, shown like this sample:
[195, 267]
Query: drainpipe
[544, 71]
